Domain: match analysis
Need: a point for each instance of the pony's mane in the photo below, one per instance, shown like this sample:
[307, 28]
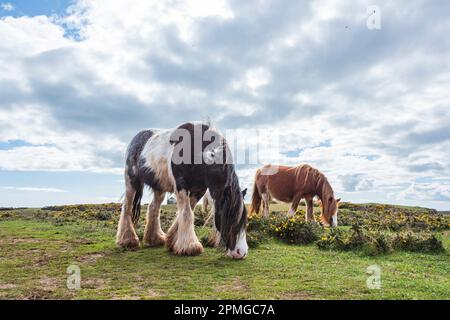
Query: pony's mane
[323, 190]
[230, 213]
[323, 187]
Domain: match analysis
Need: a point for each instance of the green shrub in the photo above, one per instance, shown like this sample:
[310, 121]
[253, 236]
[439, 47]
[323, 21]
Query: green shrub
[416, 242]
[376, 242]
[294, 230]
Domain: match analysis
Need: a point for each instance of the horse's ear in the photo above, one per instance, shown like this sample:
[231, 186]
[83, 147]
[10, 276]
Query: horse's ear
[338, 200]
[244, 193]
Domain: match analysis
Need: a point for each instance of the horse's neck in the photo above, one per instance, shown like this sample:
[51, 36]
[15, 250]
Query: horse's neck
[324, 191]
[216, 192]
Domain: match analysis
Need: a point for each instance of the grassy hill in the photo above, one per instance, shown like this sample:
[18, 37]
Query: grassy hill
[38, 245]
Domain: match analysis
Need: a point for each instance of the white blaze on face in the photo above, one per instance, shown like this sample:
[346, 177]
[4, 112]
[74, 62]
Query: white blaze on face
[241, 249]
[334, 219]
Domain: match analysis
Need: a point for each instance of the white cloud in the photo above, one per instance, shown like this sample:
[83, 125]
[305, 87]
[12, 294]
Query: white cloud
[7, 6]
[34, 189]
[426, 191]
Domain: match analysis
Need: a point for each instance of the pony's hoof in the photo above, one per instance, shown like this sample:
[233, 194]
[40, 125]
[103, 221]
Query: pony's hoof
[131, 244]
[158, 240]
[193, 249]
[130, 241]
[213, 240]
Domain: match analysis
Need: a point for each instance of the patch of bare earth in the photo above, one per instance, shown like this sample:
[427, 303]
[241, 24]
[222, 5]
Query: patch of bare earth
[7, 286]
[235, 284]
[126, 297]
[153, 294]
[92, 284]
[24, 240]
[38, 294]
[145, 294]
[49, 284]
[297, 295]
[91, 258]
[42, 260]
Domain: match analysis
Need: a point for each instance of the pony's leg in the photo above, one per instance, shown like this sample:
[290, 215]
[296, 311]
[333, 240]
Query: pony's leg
[153, 234]
[126, 235]
[211, 216]
[294, 206]
[193, 200]
[214, 238]
[205, 204]
[181, 238]
[310, 210]
[266, 201]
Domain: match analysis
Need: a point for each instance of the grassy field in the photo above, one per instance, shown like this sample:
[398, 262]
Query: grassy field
[38, 245]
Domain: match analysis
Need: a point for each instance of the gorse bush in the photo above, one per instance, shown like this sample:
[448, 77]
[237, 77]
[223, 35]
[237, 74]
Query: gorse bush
[392, 218]
[376, 242]
[358, 238]
[291, 230]
[295, 230]
[417, 242]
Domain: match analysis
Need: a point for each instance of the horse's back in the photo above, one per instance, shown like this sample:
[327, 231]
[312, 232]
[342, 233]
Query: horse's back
[133, 155]
[136, 146]
[280, 182]
[285, 182]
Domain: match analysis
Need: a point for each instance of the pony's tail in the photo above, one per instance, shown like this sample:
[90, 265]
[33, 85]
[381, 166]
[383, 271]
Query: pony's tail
[136, 212]
[256, 198]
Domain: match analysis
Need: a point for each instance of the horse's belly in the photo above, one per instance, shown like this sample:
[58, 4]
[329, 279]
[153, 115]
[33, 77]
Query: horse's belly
[162, 175]
[157, 154]
[280, 190]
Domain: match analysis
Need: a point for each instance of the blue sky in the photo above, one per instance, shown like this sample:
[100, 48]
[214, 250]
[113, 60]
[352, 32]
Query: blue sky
[35, 7]
[369, 107]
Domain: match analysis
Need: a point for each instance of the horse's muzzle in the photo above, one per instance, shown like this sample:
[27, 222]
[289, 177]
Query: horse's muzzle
[241, 249]
[237, 254]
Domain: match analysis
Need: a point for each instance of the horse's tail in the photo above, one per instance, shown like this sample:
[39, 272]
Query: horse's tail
[256, 197]
[136, 212]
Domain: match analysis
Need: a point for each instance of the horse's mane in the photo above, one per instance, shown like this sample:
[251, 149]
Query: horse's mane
[315, 179]
[323, 187]
[230, 213]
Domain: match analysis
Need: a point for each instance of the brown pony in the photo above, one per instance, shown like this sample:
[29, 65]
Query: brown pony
[292, 184]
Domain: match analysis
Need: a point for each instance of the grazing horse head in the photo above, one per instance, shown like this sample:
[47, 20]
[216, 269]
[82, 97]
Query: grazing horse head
[230, 211]
[231, 215]
[330, 208]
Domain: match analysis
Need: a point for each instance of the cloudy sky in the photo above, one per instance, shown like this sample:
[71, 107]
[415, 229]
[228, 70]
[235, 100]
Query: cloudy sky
[368, 107]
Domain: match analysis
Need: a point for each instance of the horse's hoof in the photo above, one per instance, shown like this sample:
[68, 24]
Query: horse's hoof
[156, 241]
[193, 249]
[129, 245]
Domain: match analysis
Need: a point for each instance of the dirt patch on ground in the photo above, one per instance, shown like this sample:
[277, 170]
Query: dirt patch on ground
[49, 284]
[7, 286]
[92, 284]
[91, 258]
[126, 298]
[297, 295]
[38, 294]
[154, 294]
[235, 284]
[42, 261]
[24, 240]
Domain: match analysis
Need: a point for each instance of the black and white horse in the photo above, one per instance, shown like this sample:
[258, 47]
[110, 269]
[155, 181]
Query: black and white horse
[187, 161]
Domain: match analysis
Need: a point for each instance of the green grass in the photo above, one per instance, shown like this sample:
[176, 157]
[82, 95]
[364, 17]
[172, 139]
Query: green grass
[37, 246]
